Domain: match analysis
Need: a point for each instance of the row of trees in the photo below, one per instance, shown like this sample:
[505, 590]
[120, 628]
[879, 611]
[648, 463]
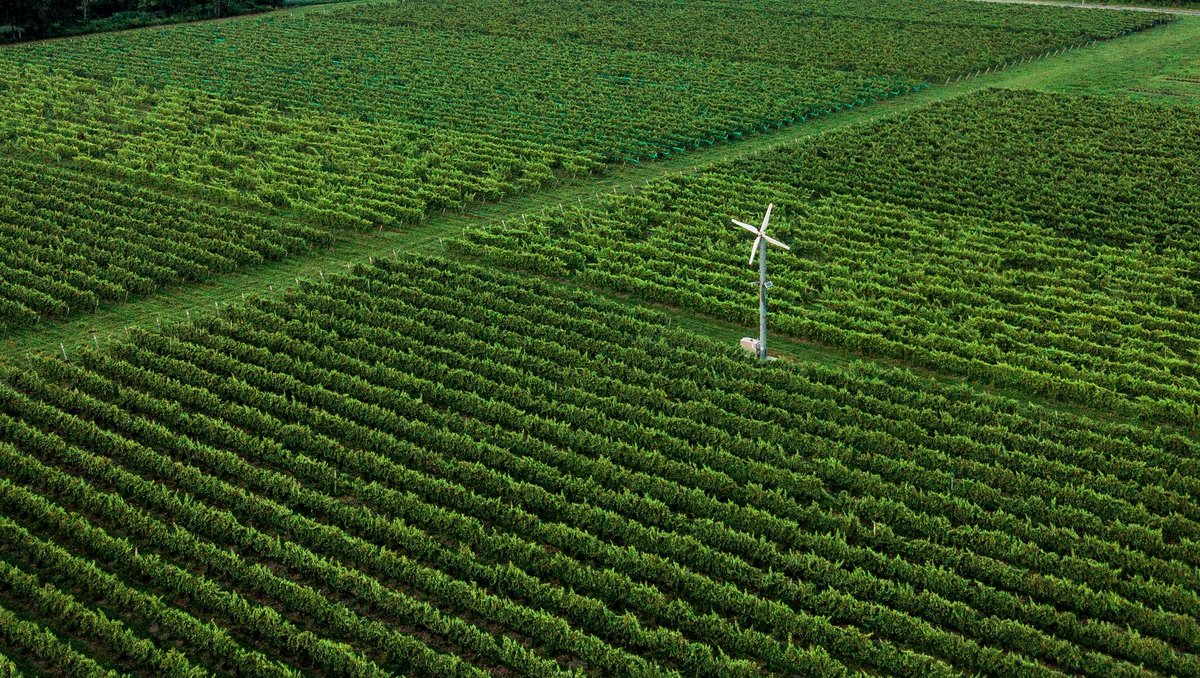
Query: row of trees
[22, 19]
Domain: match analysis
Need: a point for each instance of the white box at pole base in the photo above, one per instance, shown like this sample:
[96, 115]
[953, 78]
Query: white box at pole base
[750, 344]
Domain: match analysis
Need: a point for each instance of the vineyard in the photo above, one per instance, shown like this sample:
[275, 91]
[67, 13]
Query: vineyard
[1062, 264]
[188, 186]
[435, 469]
[618, 103]
[1097, 170]
[924, 39]
[286, 130]
[465, 398]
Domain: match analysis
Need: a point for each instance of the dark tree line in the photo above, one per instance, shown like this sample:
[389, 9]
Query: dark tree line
[41, 18]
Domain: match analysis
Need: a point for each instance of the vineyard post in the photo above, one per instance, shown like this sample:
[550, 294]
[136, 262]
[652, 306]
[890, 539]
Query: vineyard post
[762, 298]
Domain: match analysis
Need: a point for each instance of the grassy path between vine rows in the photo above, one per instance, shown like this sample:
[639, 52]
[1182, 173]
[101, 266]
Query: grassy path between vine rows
[1101, 68]
[1093, 5]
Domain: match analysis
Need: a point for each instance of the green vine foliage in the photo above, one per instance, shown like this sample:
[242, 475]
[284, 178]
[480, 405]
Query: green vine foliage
[135, 161]
[1060, 264]
[435, 469]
